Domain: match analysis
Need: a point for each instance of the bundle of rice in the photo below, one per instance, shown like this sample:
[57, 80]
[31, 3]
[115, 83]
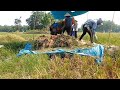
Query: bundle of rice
[55, 41]
[41, 41]
[112, 49]
[64, 41]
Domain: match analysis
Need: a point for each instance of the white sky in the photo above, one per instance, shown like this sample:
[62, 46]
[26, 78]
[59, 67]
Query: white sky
[7, 17]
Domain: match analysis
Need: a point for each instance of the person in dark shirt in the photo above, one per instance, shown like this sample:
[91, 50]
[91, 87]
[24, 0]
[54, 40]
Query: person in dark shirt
[68, 24]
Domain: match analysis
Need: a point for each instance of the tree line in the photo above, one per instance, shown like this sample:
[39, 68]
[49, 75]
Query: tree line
[40, 20]
[109, 26]
[12, 28]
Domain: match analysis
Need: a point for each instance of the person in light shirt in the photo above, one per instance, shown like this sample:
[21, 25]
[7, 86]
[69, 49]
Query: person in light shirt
[75, 29]
[90, 27]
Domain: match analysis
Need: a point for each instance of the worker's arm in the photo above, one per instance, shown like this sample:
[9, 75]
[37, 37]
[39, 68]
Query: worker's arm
[63, 25]
[94, 26]
[73, 21]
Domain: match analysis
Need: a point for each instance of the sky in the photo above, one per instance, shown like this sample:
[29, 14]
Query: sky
[7, 17]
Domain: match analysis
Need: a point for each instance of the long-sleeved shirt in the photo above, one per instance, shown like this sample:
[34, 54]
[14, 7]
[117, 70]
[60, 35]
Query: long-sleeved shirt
[92, 24]
[75, 26]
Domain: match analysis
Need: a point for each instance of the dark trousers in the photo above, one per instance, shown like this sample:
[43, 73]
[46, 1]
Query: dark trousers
[85, 30]
[68, 30]
[75, 34]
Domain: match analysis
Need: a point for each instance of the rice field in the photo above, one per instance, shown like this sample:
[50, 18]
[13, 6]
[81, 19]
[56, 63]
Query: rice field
[41, 67]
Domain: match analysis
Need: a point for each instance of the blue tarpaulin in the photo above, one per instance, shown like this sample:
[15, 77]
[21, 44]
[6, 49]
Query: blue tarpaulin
[97, 51]
[60, 14]
[27, 50]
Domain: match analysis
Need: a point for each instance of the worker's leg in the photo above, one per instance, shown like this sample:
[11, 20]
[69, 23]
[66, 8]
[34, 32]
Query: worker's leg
[84, 32]
[75, 34]
[94, 36]
[69, 30]
[63, 30]
[91, 35]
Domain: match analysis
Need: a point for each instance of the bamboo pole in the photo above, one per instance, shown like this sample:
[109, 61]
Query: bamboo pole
[33, 32]
[111, 28]
[34, 25]
[87, 15]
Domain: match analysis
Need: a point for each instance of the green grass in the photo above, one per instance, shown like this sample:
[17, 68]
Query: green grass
[104, 38]
[39, 66]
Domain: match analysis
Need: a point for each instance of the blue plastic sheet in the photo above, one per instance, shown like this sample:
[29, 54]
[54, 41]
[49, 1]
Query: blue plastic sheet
[28, 46]
[97, 51]
[27, 50]
[24, 52]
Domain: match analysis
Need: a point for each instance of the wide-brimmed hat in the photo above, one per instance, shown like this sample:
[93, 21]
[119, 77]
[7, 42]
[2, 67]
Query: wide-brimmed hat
[67, 14]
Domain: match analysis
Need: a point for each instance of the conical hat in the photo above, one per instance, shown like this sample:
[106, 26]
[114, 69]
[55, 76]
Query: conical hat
[67, 14]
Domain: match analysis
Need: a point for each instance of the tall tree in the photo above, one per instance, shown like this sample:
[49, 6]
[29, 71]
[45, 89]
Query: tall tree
[106, 27]
[39, 20]
[17, 23]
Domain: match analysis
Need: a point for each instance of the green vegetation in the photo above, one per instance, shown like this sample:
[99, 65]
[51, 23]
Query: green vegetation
[16, 36]
[40, 20]
[39, 66]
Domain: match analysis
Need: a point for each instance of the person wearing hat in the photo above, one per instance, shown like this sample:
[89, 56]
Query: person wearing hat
[68, 24]
[90, 27]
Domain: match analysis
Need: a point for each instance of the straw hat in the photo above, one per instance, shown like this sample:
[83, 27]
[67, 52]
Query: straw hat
[67, 14]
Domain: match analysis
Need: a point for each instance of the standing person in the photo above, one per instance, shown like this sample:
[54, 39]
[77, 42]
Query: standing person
[68, 24]
[90, 27]
[75, 28]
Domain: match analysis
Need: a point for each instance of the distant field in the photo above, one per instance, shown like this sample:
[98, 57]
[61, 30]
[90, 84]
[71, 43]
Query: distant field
[103, 38]
[39, 66]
